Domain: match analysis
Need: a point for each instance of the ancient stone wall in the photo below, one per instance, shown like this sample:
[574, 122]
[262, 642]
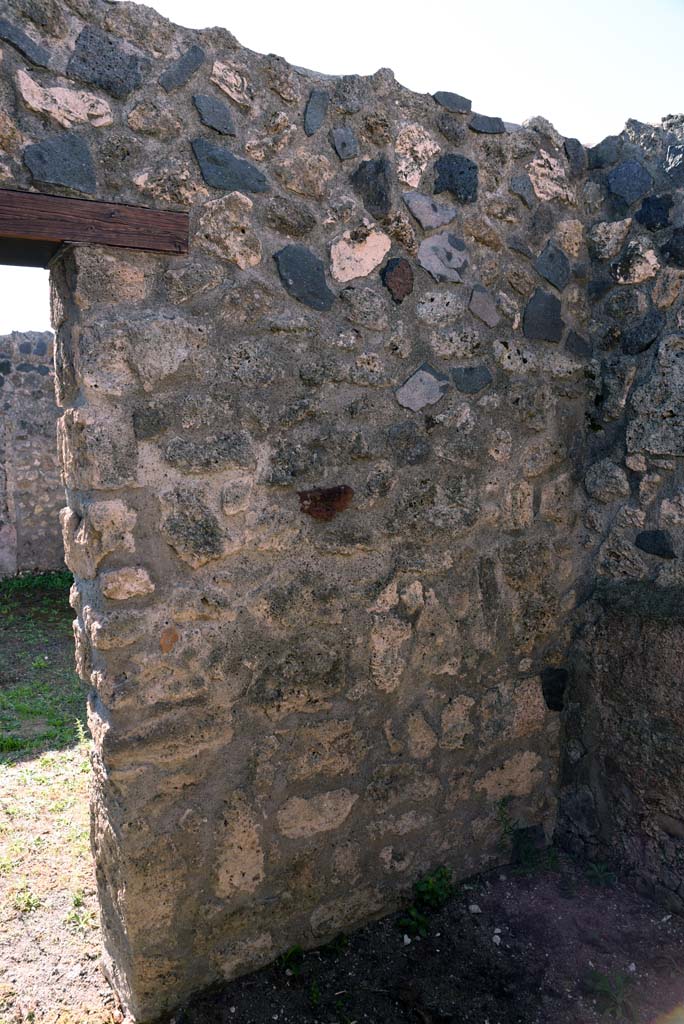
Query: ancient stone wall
[31, 491]
[325, 475]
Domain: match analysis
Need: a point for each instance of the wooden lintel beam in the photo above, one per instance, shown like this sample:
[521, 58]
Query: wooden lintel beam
[35, 217]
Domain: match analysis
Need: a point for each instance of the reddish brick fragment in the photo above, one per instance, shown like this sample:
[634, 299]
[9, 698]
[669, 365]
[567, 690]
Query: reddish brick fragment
[397, 277]
[325, 502]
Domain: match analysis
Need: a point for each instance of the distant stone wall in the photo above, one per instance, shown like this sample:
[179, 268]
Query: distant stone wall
[31, 491]
[340, 481]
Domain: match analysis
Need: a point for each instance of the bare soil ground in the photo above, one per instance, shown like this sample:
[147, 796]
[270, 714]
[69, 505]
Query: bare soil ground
[549, 942]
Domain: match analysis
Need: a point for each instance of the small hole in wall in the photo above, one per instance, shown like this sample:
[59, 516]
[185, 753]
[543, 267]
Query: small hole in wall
[24, 299]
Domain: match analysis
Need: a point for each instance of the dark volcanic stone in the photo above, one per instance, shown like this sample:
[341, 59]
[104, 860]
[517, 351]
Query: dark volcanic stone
[605, 153]
[577, 157]
[655, 542]
[214, 114]
[453, 102]
[521, 185]
[641, 336]
[518, 244]
[303, 275]
[542, 317]
[221, 169]
[323, 503]
[578, 345]
[289, 217]
[630, 181]
[458, 175]
[24, 44]
[674, 164]
[397, 277]
[316, 109]
[409, 446]
[62, 160]
[554, 682]
[344, 142]
[486, 125]
[98, 59]
[674, 249]
[471, 379]
[182, 70]
[554, 265]
[372, 179]
[654, 212]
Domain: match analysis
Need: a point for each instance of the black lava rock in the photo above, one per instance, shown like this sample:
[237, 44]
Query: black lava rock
[641, 336]
[577, 157]
[486, 125]
[458, 175]
[654, 212]
[521, 185]
[62, 160]
[303, 275]
[214, 114]
[316, 109]
[630, 181]
[554, 683]
[655, 542]
[372, 179]
[673, 250]
[453, 102]
[605, 153]
[578, 345]
[471, 379]
[542, 317]
[182, 70]
[22, 42]
[344, 142]
[98, 59]
[221, 169]
[674, 164]
[452, 128]
[554, 265]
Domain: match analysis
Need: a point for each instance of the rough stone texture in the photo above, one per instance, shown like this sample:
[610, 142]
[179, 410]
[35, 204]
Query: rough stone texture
[31, 492]
[62, 160]
[365, 564]
[214, 114]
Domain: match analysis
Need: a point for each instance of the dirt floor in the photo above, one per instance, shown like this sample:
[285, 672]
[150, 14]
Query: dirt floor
[548, 942]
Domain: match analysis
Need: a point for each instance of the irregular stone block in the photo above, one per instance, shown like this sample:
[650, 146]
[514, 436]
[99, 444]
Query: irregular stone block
[453, 102]
[300, 817]
[62, 160]
[674, 163]
[123, 584]
[234, 83]
[578, 345]
[365, 307]
[640, 336]
[654, 212]
[607, 238]
[638, 263]
[554, 265]
[190, 527]
[22, 42]
[373, 181]
[444, 256]
[214, 114]
[305, 173]
[554, 682]
[577, 157]
[323, 503]
[358, 253]
[471, 379]
[521, 185]
[221, 169]
[182, 70]
[605, 153]
[482, 305]
[316, 109]
[606, 482]
[486, 125]
[414, 148]
[548, 179]
[656, 542]
[542, 317]
[344, 142]
[397, 277]
[630, 181]
[225, 229]
[425, 386]
[673, 250]
[427, 211]
[456, 174]
[303, 275]
[65, 106]
[100, 60]
[289, 218]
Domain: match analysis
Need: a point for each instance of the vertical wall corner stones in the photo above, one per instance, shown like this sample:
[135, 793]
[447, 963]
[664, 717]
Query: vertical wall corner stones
[316, 109]
[457, 174]
[62, 160]
[182, 70]
[221, 169]
[100, 60]
[303, 276]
